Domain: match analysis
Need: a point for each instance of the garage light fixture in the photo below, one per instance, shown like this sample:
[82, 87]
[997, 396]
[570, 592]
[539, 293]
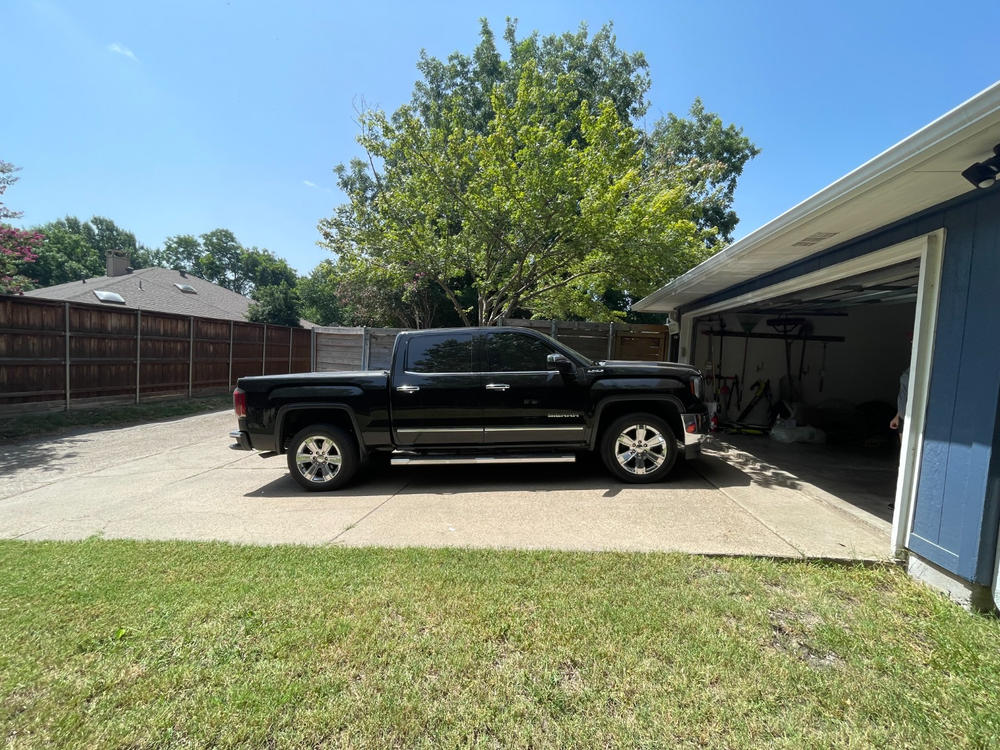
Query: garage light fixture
[983, 174]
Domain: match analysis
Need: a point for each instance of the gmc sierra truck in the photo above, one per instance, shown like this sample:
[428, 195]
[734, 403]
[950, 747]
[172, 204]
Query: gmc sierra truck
[475, 395]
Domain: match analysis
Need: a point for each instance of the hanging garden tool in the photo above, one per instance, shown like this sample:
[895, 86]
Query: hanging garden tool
[822, 369]
[807, 328]
[747, 323]
[786, 327]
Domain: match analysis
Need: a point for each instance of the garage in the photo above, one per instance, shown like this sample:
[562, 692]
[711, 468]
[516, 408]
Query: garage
[803, 374]
[808, 380]
[805, 327]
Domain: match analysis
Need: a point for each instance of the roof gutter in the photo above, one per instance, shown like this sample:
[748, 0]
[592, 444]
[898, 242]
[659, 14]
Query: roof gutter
[888, 164]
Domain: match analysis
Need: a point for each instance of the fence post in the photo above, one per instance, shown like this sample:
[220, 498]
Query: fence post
[229, 379]
[191, 356]
[263, 354]
[365, 347]
[138, 351]
[291, 335]
[611, 338]
[66, 312]
[552, 329]
[312, 350]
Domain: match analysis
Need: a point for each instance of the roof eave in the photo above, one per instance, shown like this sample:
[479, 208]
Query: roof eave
[874, 172]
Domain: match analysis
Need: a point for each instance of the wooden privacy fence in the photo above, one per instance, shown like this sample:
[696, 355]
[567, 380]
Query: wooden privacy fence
[62, 354]
[371, 348]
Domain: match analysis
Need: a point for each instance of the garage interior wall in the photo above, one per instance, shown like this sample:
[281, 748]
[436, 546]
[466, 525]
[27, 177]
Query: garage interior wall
[864, 367]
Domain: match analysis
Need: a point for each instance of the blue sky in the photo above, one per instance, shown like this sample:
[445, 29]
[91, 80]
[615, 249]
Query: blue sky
[180, 117]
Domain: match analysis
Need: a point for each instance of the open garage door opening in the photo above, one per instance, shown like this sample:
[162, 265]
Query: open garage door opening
[809, 381]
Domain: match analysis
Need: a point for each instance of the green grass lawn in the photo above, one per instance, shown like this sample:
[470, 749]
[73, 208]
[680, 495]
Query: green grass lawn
[25, 426]
[129, 644]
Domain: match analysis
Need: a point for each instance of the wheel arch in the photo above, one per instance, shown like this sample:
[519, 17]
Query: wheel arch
[664, 406]
[291, 418]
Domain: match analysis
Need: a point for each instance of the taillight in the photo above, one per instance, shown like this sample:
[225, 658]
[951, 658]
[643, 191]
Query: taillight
[240, 402]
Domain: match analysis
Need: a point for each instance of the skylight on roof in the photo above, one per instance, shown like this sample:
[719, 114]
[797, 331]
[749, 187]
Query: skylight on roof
[110, 297]
[186, 288]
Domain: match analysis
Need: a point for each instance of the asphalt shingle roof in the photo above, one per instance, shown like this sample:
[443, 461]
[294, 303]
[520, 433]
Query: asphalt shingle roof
[154, 289]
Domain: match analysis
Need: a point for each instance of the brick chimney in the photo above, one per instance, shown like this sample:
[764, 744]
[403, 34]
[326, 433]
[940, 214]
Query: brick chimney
[117, 263]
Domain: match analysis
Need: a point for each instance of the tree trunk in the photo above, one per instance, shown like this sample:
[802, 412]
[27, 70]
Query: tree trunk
[454, 301]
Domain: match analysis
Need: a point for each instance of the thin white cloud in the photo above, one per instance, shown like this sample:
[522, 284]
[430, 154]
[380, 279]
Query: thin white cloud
[121, 49]
[314, 186]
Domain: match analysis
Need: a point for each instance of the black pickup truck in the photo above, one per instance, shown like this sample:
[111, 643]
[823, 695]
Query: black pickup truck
[475, 395]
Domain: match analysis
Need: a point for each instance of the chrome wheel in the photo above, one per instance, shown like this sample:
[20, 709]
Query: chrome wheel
[318, 459]
[641, 449]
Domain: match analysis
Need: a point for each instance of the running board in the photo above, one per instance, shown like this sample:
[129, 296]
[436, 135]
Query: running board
[406, 459]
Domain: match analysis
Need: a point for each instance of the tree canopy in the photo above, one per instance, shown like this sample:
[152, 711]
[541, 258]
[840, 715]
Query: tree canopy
[70, 249]
[278, 304]
[18, 247]
[525, 185]
[73, 249]
[217, 256]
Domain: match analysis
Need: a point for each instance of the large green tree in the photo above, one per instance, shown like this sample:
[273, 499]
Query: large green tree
[75, 249]
[278, 304]
[523, 185]
[320, 296]
[710, 156]
[217, 256]
[335, 295]
[65, 255]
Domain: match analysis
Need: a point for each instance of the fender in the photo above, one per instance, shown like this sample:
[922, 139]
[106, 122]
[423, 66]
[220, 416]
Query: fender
[283, 411]
[636, 399]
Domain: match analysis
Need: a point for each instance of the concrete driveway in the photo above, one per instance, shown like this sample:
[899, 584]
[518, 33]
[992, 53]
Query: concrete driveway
[180, 480]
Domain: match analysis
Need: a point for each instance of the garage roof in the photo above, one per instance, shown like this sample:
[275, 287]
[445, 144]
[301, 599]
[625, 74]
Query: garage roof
[917, 173]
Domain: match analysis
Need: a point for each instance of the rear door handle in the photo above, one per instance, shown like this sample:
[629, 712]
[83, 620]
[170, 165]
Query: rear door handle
[407, 388]
[497, 386]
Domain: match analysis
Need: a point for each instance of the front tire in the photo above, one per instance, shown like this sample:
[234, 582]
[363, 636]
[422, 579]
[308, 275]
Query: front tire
[639, 448]
[322, 457]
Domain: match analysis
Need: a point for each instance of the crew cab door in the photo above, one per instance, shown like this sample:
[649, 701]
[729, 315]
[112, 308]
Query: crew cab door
[435, 392]
[525, 402]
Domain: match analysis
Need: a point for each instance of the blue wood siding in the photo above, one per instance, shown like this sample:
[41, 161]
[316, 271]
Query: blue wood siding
[954, 522]
[958, 496]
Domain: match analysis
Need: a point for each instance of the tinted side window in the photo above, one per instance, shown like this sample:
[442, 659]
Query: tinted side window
[516, 352]
[440, 352]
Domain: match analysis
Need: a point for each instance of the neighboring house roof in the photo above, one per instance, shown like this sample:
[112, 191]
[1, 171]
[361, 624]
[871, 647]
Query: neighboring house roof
[154, 289]
[917, 173]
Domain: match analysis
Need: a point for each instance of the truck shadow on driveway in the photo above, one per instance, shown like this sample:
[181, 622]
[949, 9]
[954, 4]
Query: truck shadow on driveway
[461, 479]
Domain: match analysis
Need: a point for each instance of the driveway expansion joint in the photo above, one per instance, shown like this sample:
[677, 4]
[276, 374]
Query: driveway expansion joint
[354, 525]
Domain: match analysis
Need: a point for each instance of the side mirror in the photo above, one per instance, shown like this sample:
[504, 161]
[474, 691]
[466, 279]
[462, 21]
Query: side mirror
[560, 362]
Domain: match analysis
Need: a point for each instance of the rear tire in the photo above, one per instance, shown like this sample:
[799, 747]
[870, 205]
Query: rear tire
[322, 457]
[639, 448]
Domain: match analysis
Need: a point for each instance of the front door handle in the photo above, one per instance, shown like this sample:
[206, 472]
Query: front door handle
[497, 386]
[407, 388]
